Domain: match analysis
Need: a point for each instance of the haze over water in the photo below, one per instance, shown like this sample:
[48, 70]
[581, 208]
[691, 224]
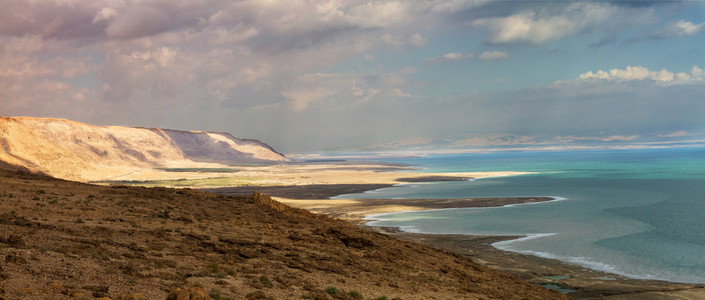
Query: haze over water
[639, 213]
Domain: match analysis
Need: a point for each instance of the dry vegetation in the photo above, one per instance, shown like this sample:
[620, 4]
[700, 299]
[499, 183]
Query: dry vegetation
[67, 240]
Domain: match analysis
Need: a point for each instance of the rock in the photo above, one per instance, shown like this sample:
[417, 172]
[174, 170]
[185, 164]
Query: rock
[26, 291]
[266, 201]
[99, 290]
[13, 240]
[256, 295]
[76, 295]
[14, 258]
[192, 293]
[136, 296]
[53, 287]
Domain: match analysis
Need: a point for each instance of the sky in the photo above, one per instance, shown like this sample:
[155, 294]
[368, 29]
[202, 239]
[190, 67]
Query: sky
[306, 75]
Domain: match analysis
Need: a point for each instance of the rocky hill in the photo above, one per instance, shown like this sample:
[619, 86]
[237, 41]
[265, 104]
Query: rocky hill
[77, 151]
[68, 240]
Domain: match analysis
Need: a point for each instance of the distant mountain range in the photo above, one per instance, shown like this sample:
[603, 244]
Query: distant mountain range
[76, 151]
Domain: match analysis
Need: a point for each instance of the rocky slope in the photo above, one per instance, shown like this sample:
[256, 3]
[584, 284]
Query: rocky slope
[67, 240]
[77, 151]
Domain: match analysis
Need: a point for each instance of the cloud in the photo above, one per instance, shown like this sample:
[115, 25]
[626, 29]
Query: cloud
[402, 42]
[525, 27]
[139, 21]
[541, 24]
[50, 19]
[605, 40]
[675, 134]
[452, 56]
[663, 76]
[492, 55]
[342, 90]
[680, 29]
[495, 140]
[456, 56]
[611, 138]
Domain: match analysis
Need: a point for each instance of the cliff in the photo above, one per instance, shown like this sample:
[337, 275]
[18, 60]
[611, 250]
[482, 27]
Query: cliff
[77, 151]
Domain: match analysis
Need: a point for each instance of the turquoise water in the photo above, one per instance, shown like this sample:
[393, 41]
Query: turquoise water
[639, 213]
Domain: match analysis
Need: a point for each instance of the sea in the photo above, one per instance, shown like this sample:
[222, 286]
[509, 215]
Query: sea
[639, 213]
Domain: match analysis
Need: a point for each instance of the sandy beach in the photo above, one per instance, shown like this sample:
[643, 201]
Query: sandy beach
[578, 281]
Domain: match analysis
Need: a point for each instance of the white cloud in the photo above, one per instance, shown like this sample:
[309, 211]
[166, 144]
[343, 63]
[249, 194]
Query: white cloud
[675, 134]
[560, 20]
[492, 55]
[631, 73]
[456, 56]
[611, 138]
[405, 41]
[495, 140]
[452, 56]
[688, 28]
[526, 27]
[680, 29]
[342, 90]
[379, 14]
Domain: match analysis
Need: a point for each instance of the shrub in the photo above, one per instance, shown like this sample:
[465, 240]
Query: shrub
[216, 294]
[355, 294]
[331, 290]
[265, 281]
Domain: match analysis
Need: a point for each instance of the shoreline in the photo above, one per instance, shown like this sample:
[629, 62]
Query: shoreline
[580, 281]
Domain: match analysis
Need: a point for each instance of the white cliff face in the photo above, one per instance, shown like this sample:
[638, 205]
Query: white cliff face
[220, 147]
[74, 150]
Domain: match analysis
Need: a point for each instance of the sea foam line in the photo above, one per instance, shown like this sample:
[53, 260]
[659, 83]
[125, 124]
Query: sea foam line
[589, 262]
[578, 260]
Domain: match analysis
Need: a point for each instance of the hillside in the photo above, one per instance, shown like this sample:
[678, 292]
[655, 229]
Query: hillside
[77, 151]
[61, 239]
